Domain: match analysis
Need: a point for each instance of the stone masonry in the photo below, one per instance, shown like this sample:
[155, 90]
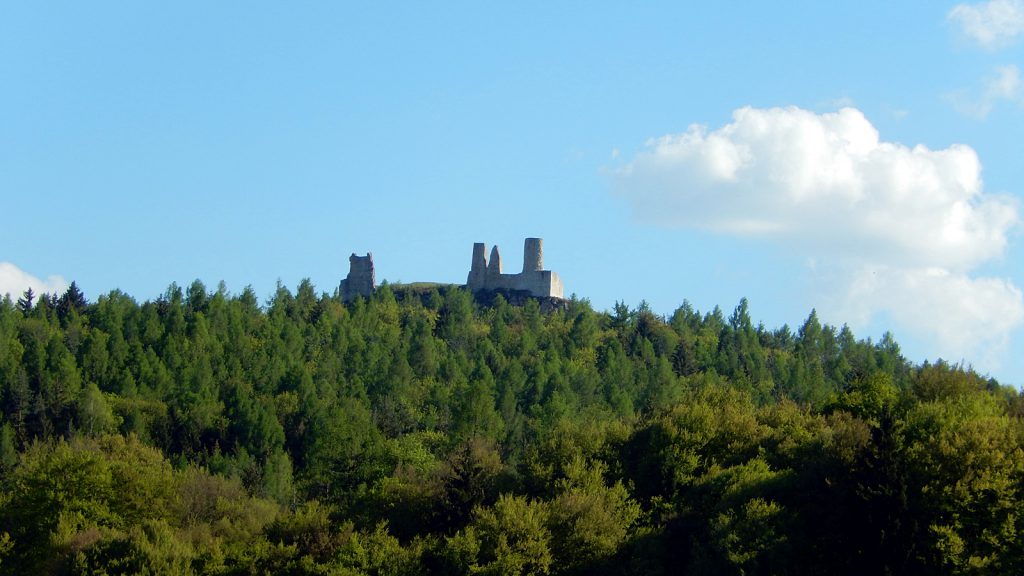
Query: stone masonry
[486, 274]
[361, 280]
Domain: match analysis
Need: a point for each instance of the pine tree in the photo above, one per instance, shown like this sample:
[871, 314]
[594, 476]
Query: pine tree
[72, 299]
[25, 302]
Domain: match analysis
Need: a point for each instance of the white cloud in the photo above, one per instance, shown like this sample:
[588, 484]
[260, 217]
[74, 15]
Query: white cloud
[971, 318]
[1005, 86]
[992, 24]
[15, 281]
[917, 219]
[793, 174]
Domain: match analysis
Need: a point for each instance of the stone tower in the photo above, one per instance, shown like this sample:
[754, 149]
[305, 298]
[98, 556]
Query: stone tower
[361, 280]
[494, 264]
[533, 255]
[478, 271]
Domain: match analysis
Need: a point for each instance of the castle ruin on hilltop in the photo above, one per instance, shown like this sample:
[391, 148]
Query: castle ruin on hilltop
[484, 275]
[487, 275]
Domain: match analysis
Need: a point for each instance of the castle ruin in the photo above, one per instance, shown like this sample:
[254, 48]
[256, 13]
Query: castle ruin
[361, 280]
[486, 274]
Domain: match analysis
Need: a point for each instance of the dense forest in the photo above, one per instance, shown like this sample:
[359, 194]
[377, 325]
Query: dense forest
[420, 432]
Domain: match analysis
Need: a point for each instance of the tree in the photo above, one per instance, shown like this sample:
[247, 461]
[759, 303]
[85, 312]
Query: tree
[25, 302]
[94, 413]
[475, 414]
[8, 450]
[63, 488]
[277, 478]
[509, 538]
[71, 301]
[589, 520]
[468, 479]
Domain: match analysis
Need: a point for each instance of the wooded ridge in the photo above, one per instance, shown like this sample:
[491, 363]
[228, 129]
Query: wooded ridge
[421, 432]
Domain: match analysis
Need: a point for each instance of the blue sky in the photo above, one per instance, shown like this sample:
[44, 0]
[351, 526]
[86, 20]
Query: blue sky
[863, 160]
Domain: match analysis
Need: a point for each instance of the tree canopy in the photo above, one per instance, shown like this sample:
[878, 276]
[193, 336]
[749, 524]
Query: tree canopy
[420, 432]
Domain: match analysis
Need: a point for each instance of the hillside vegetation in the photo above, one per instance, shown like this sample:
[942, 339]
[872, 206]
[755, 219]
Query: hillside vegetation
[419, 432]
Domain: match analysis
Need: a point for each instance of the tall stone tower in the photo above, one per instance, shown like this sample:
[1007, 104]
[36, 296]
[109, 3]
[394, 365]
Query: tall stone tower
[478, 271]
[494, 264]
[533, 255]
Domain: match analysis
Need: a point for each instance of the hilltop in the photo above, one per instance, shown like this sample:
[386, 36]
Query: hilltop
[422, 431]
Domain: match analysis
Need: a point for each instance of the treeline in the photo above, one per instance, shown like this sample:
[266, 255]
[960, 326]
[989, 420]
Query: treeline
[422, 433]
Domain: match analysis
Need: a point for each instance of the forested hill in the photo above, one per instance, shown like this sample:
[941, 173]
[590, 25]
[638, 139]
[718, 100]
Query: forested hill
[205, 433]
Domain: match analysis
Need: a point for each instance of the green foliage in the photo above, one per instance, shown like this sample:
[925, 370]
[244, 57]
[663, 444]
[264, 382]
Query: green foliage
[151, 547]
[509, 538]
[419, 432]
[5, 546]
[869, 398]
[377, 553]
[94, 413]
[8, 450]
[589, 519]
[61, 490]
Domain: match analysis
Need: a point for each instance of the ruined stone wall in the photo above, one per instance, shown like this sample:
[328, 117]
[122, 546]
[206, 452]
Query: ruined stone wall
[484, 274]
[540, 283]
[487, 274]
[361, 280]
